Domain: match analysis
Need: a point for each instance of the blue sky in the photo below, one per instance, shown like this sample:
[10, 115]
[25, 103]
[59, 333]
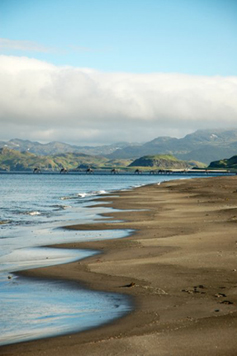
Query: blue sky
[101, 71]
[183, 36]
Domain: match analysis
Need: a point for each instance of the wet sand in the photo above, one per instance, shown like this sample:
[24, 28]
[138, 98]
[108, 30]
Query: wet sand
[180, 266]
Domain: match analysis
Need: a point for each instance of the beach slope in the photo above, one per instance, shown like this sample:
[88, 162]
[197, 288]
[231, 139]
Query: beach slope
[179, 266]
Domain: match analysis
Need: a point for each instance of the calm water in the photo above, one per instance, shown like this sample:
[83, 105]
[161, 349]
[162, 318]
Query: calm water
[32, 210]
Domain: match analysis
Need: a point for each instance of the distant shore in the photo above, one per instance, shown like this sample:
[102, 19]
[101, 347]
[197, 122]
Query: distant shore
[180, 266]
[141, 170]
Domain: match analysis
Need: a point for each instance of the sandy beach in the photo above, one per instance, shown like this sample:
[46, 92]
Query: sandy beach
[179, 266]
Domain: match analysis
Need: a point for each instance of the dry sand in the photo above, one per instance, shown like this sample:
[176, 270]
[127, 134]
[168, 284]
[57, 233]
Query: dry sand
[180, 266]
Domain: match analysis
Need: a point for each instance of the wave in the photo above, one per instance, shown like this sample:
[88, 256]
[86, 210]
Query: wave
[93, 193]
[32, 213]
[85, 195]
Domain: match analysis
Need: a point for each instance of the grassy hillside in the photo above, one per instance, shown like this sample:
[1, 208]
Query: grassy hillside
[230, 163]
[161, 162]
[12, 160]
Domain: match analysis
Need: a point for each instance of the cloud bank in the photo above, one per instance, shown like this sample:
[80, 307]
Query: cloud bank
[40, 101]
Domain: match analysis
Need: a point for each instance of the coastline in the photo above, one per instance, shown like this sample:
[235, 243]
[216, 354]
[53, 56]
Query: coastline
[178, 265]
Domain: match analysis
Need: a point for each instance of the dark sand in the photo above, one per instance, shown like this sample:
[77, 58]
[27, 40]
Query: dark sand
[181, 264]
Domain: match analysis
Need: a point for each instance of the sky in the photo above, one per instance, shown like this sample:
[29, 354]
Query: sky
[104, 71]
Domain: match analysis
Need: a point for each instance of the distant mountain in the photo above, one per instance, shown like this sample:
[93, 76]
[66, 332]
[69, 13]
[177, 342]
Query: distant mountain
[53, 148]
[203, 146]
[230, 163]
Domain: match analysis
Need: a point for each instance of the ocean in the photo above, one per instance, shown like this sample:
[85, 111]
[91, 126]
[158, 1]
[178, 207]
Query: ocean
[33, 210]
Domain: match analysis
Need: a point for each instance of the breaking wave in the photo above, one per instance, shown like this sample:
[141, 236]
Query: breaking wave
[84, 195]
[33, 213]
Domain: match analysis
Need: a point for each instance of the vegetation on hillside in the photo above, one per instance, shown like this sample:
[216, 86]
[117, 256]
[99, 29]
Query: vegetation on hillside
[227, 163]
[163, 162]
[12, 160]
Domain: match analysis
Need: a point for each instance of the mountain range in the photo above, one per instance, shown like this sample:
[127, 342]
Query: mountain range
[53, 148]
[202, 145]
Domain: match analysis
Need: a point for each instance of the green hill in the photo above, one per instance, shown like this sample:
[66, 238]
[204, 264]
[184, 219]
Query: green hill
[226, 163]
[12, 160]
[161, 162]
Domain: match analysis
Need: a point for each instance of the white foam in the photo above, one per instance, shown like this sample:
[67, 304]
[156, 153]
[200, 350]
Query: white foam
[82, 195]
[32, 213]
[91, 194]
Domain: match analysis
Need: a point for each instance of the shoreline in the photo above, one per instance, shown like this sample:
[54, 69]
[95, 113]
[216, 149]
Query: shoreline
[177, 266]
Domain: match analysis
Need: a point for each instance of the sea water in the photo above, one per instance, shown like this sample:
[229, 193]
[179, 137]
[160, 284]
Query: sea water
[33, 208]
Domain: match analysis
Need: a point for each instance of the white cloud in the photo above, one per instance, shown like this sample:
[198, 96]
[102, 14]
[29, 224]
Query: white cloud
[18, 45]
[44, 102]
